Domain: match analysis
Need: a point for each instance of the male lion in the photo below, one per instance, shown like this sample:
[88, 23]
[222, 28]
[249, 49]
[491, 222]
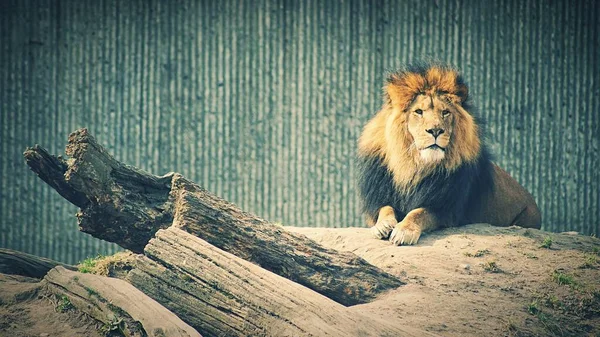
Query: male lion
[424, 166]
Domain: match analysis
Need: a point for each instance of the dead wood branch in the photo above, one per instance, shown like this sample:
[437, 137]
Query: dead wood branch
[18, 263]
[125, 205]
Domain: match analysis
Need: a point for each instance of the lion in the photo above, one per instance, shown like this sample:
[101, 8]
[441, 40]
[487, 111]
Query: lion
[423, 164]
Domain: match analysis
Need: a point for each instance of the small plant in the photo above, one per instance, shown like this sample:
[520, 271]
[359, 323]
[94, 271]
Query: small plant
[552, 301]
[491, 267]
[563, 279]
[533, 308]
[550, 324]
[596, 250]
[88, 265]
[548, 321]
[64, 304]
[478, 253]
[547, 243]
[591, 262]
[116, 325]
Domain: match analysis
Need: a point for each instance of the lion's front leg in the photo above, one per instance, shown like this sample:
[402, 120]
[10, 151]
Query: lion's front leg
[408, 231]
[386, 220]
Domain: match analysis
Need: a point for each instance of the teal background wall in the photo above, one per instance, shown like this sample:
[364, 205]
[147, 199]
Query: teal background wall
[261, 102]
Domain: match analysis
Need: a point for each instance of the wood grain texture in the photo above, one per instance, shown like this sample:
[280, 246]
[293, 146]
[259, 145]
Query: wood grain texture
[220, 294]
[117, 304]
[13, 262]
[119, 203]
[341, 276]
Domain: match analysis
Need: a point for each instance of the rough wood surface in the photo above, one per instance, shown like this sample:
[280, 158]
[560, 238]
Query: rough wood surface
[125, 205]
[119, 203]
[342, 276]
[116, 303]
[18, 263]
[220, 294]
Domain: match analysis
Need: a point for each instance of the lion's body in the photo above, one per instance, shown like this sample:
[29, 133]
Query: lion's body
[423, 164]
[505, 203]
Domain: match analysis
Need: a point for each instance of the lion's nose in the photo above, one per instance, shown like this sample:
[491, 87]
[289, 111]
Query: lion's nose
[435, 132]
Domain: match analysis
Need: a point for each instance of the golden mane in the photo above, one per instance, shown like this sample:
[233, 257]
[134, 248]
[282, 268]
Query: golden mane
[386, 134]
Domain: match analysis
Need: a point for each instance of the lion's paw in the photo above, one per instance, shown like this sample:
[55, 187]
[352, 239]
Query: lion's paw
[382, 229]
[405, 234]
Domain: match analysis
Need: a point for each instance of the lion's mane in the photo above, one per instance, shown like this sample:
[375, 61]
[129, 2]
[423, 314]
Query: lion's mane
[389, 170]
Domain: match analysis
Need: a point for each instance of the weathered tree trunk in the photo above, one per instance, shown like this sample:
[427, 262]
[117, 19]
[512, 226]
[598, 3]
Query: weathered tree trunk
[122, 308]
[127, 206]
[18, 263]
[342, 276]
[118, 203]
[220, 294]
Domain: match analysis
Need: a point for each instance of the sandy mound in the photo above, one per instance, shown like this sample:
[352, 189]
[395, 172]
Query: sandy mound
[475, 280]
[480, 280]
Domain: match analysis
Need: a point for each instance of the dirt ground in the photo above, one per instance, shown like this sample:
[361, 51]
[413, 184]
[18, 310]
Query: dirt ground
[480, 280]
[26, 311]
[475, 280]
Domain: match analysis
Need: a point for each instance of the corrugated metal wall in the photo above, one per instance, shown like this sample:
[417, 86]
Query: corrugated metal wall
[261, 102]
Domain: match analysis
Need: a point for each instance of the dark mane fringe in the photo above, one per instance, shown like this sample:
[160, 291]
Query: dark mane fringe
[446, 194]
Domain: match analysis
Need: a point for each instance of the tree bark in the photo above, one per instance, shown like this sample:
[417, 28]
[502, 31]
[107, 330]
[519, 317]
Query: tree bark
[18, 263]
[121, 307]
[220, 294]
[118, 203]
[125, 205]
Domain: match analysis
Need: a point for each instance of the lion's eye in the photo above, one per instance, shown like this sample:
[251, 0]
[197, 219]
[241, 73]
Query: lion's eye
[419, 112]
[445, 113]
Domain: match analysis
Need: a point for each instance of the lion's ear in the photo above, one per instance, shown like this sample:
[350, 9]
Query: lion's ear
[462, 92]
[459, 96]
[402, 88]
[393, 95]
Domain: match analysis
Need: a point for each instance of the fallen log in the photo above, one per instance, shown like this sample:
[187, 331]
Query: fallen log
[123, 309]
[125, 205]
[220, 294]
[13, 262]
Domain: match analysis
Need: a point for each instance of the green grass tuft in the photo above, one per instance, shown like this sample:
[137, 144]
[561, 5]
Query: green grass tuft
[533, 308]
[88, 265]
[591, 262]
[552, 301]
[547, 243]
[491, 267]
[64, 304]
[563, 279]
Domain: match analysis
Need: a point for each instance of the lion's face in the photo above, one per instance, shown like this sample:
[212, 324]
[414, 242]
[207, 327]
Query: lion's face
[422, 125]
[430, 121]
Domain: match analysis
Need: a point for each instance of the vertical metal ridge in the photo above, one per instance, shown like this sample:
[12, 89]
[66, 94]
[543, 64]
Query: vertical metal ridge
[27, 119]
[594, 77]
[7, 237]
